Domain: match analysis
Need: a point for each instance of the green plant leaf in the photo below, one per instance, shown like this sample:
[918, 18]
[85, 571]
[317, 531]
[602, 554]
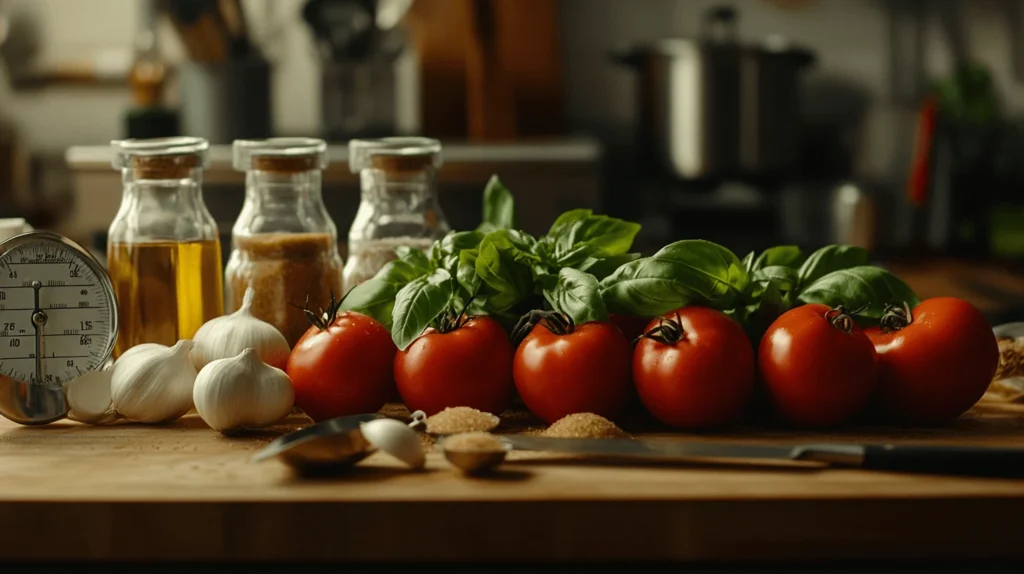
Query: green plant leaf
[499, 207]
[785, 255]
[416, 258]
[785, 279]
[579, 233]
[445, 252]
[504, 264]
[864, 286]
[466, 274]
[578, 295]
[683, 273]
[603, 267]
[831, 258]
[748, 262]
[419, 303]
[375, 297]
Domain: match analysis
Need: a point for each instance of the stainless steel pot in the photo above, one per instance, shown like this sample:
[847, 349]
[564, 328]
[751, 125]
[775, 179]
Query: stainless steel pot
[711, 108]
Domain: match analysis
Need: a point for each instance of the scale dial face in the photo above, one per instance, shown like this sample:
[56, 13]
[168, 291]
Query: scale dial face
[58, 314]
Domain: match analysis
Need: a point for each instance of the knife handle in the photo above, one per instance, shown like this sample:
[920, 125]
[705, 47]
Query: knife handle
[962, 460]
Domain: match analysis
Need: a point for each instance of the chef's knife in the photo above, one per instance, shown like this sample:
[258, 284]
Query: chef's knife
[956, 460]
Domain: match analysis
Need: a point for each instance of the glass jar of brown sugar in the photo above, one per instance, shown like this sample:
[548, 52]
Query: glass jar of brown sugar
[284, 243]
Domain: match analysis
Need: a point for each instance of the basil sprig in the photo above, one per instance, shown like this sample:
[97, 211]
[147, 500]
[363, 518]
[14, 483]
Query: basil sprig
[582, 269]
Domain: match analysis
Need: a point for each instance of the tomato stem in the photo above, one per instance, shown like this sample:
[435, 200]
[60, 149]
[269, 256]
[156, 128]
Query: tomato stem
[449, 320]
[841, 318]
[555, 321]
[896, 317]
[665, 332]
[326, 317]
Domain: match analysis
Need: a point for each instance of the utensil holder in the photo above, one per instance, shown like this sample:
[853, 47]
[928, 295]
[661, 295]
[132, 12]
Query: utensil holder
[226, 101]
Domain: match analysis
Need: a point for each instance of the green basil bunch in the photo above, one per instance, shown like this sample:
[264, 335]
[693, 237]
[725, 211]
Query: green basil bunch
[583, 267]
[498, 270]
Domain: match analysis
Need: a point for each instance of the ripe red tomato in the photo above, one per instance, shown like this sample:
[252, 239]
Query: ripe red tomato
[694, 368]
[584, 369]
[818, 366]
[344, 369]
[934, 364]
[470, 366]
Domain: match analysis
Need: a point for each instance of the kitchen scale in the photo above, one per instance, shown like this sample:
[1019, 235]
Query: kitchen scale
[58, 320]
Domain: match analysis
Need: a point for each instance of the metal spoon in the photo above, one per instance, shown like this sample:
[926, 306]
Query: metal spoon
[474, 461]
[334, 444]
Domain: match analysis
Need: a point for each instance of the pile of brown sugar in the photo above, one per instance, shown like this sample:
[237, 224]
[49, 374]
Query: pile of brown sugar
[474, 442]
[584, 425]
[454, 420]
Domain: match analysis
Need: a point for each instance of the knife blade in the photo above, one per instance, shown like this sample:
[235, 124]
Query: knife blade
[930, 459]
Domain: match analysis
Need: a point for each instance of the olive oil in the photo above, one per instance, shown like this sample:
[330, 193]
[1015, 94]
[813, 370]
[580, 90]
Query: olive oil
[165, 290]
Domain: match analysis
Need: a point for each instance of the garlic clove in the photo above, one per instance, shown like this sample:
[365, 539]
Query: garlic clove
[396, 439]
[152, 383]
[242, 393]
[227, 336]
[89, 397]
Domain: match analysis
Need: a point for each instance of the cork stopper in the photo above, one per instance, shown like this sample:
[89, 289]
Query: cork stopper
[401, 164]
[164, 166]
[396, 155]
[280, 155]
[296, 164]
[160, 158]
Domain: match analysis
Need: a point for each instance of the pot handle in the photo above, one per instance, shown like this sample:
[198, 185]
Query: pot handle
[720, 25]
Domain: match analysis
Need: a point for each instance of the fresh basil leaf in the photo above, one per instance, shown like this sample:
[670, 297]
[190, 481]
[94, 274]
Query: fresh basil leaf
[455, 241]
[784, 278]
[419, 303]
[375, 297]
[785, 255]
[594, 235]
[504, 265]
[414, 257]
[578, 295]
[748, 262]
[865, 286]
[603, 267]
[566, 219]
[466, 274]
[831, 258]
[499, 207]
[683, 273]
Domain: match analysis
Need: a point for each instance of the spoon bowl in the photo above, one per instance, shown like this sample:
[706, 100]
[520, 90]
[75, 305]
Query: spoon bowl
[474, 460]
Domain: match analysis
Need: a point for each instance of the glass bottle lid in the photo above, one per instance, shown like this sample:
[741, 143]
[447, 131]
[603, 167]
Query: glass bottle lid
[280, 154]
[394, 154]
[161, 158]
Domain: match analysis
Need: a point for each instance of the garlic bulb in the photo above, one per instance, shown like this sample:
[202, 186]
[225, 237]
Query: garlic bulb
[152, 383]
[242, 392]
[89, 397]
[227, 336]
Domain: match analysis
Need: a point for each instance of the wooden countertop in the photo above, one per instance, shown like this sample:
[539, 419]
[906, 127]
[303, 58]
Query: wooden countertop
[184, 492]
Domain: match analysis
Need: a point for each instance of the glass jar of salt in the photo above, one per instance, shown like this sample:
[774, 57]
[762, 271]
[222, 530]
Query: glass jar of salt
[398, 205]
[284, 243]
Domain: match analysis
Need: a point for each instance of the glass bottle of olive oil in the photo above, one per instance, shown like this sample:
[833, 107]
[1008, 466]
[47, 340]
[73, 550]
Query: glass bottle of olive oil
[163, 247]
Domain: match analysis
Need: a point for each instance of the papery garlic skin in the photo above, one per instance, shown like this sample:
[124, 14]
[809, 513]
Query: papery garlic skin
[242, 392]
[227, 336]
[152, 383]
[89, 396]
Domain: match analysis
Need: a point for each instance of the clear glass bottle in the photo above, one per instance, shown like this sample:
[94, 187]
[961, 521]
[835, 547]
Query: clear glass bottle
[163, 247]
[398, 204]
[284, 243]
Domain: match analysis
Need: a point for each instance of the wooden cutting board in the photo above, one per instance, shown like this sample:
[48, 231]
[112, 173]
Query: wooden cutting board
[128, 492]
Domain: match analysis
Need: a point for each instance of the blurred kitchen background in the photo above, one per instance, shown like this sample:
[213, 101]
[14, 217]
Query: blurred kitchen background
[891, 124]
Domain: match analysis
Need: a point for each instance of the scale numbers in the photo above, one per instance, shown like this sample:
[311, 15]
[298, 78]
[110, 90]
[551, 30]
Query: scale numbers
[48, 285]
